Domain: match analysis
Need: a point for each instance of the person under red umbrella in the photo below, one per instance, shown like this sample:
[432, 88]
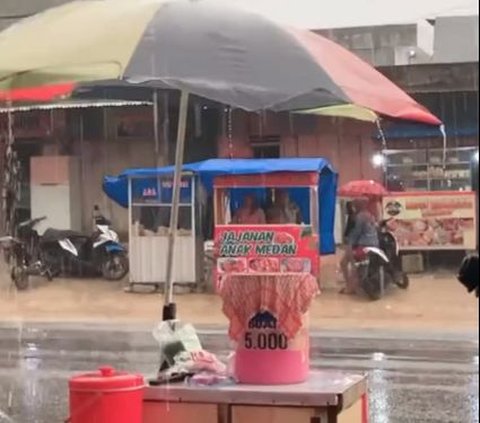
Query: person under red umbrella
[362, 234]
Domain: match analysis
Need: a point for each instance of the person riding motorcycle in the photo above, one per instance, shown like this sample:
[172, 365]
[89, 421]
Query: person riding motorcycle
[363, 234]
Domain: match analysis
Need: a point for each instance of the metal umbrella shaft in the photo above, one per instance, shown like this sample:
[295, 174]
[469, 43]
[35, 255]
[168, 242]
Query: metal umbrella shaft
[169, 309]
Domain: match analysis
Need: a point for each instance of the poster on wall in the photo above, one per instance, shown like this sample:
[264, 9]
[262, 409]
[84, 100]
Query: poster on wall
[432, 220]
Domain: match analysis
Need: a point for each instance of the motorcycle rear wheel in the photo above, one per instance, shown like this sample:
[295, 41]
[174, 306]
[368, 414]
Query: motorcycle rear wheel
[371, 284]
[372, 288]
[20, 277]
[115, 267]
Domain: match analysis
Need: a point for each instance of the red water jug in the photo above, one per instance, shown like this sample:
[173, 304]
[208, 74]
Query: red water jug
[106, 396]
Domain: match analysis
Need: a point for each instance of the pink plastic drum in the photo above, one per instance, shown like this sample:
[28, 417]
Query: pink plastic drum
[266, 357]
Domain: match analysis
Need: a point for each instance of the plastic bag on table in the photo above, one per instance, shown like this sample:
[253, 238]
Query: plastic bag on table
[196, 362]
[209, 379]
[175, 337]
[208, 370]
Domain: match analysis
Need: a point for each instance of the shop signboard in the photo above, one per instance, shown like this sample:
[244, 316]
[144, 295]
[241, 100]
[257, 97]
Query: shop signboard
[266, 249]
[432, 220]
[159, 191]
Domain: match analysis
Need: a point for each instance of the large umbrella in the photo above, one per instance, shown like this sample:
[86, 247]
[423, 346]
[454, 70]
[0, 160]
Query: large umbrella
[204, 47]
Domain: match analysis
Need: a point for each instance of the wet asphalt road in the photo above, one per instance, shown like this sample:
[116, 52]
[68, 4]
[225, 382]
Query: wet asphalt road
[412, 377]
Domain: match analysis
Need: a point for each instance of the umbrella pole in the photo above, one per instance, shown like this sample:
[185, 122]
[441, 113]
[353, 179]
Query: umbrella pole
[169, 308]
[155, 128]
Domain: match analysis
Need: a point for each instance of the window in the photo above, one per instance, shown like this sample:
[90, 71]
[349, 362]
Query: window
[265, 147]
[134, 123]
[93, 123]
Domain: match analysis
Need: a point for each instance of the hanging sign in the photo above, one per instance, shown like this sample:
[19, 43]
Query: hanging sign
[160, 191]
[266, 249]
[432, 220]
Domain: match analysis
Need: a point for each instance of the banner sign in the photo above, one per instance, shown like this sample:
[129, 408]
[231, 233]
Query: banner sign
[266, 249]
[264, 334]
[432, 221]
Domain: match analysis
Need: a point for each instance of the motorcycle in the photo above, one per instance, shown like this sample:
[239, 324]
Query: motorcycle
[98, 254]
[380, 267]
[24, 254]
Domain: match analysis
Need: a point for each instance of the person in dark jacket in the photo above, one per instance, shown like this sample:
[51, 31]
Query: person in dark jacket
[350, 222]
[362, 234]
[468, 273]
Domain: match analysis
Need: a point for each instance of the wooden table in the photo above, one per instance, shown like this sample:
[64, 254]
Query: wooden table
[326, 397]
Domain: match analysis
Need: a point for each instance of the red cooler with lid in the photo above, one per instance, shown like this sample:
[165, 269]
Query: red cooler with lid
[106, 396]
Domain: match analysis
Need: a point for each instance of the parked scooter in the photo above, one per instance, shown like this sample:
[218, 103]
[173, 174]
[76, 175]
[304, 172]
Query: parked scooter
[380, 267]
[98, 254]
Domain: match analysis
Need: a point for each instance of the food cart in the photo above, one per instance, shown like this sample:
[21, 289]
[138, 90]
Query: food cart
[290, 247]
[147, 193]
[149, 216]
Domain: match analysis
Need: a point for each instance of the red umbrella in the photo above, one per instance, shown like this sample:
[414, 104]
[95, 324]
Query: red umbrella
[42, 93]
[362, 188]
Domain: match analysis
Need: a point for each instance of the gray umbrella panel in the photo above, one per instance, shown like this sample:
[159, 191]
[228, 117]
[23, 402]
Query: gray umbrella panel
[230, 56]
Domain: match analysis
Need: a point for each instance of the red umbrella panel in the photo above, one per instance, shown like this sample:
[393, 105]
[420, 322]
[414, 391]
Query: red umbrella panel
[41, 94]
[362, 84]
[362, 188]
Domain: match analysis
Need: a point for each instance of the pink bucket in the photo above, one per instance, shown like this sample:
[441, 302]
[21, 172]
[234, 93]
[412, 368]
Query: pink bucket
[265, 356]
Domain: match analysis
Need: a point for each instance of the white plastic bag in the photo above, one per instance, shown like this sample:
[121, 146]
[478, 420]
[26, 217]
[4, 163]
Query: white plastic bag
[174, 337]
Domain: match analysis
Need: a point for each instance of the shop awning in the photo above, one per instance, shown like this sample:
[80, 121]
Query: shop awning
[415, 131]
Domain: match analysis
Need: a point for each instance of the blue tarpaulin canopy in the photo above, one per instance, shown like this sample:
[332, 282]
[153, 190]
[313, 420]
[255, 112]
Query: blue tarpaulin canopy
[116, 187]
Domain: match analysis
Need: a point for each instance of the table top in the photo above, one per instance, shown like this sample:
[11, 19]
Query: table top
[322, 389]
